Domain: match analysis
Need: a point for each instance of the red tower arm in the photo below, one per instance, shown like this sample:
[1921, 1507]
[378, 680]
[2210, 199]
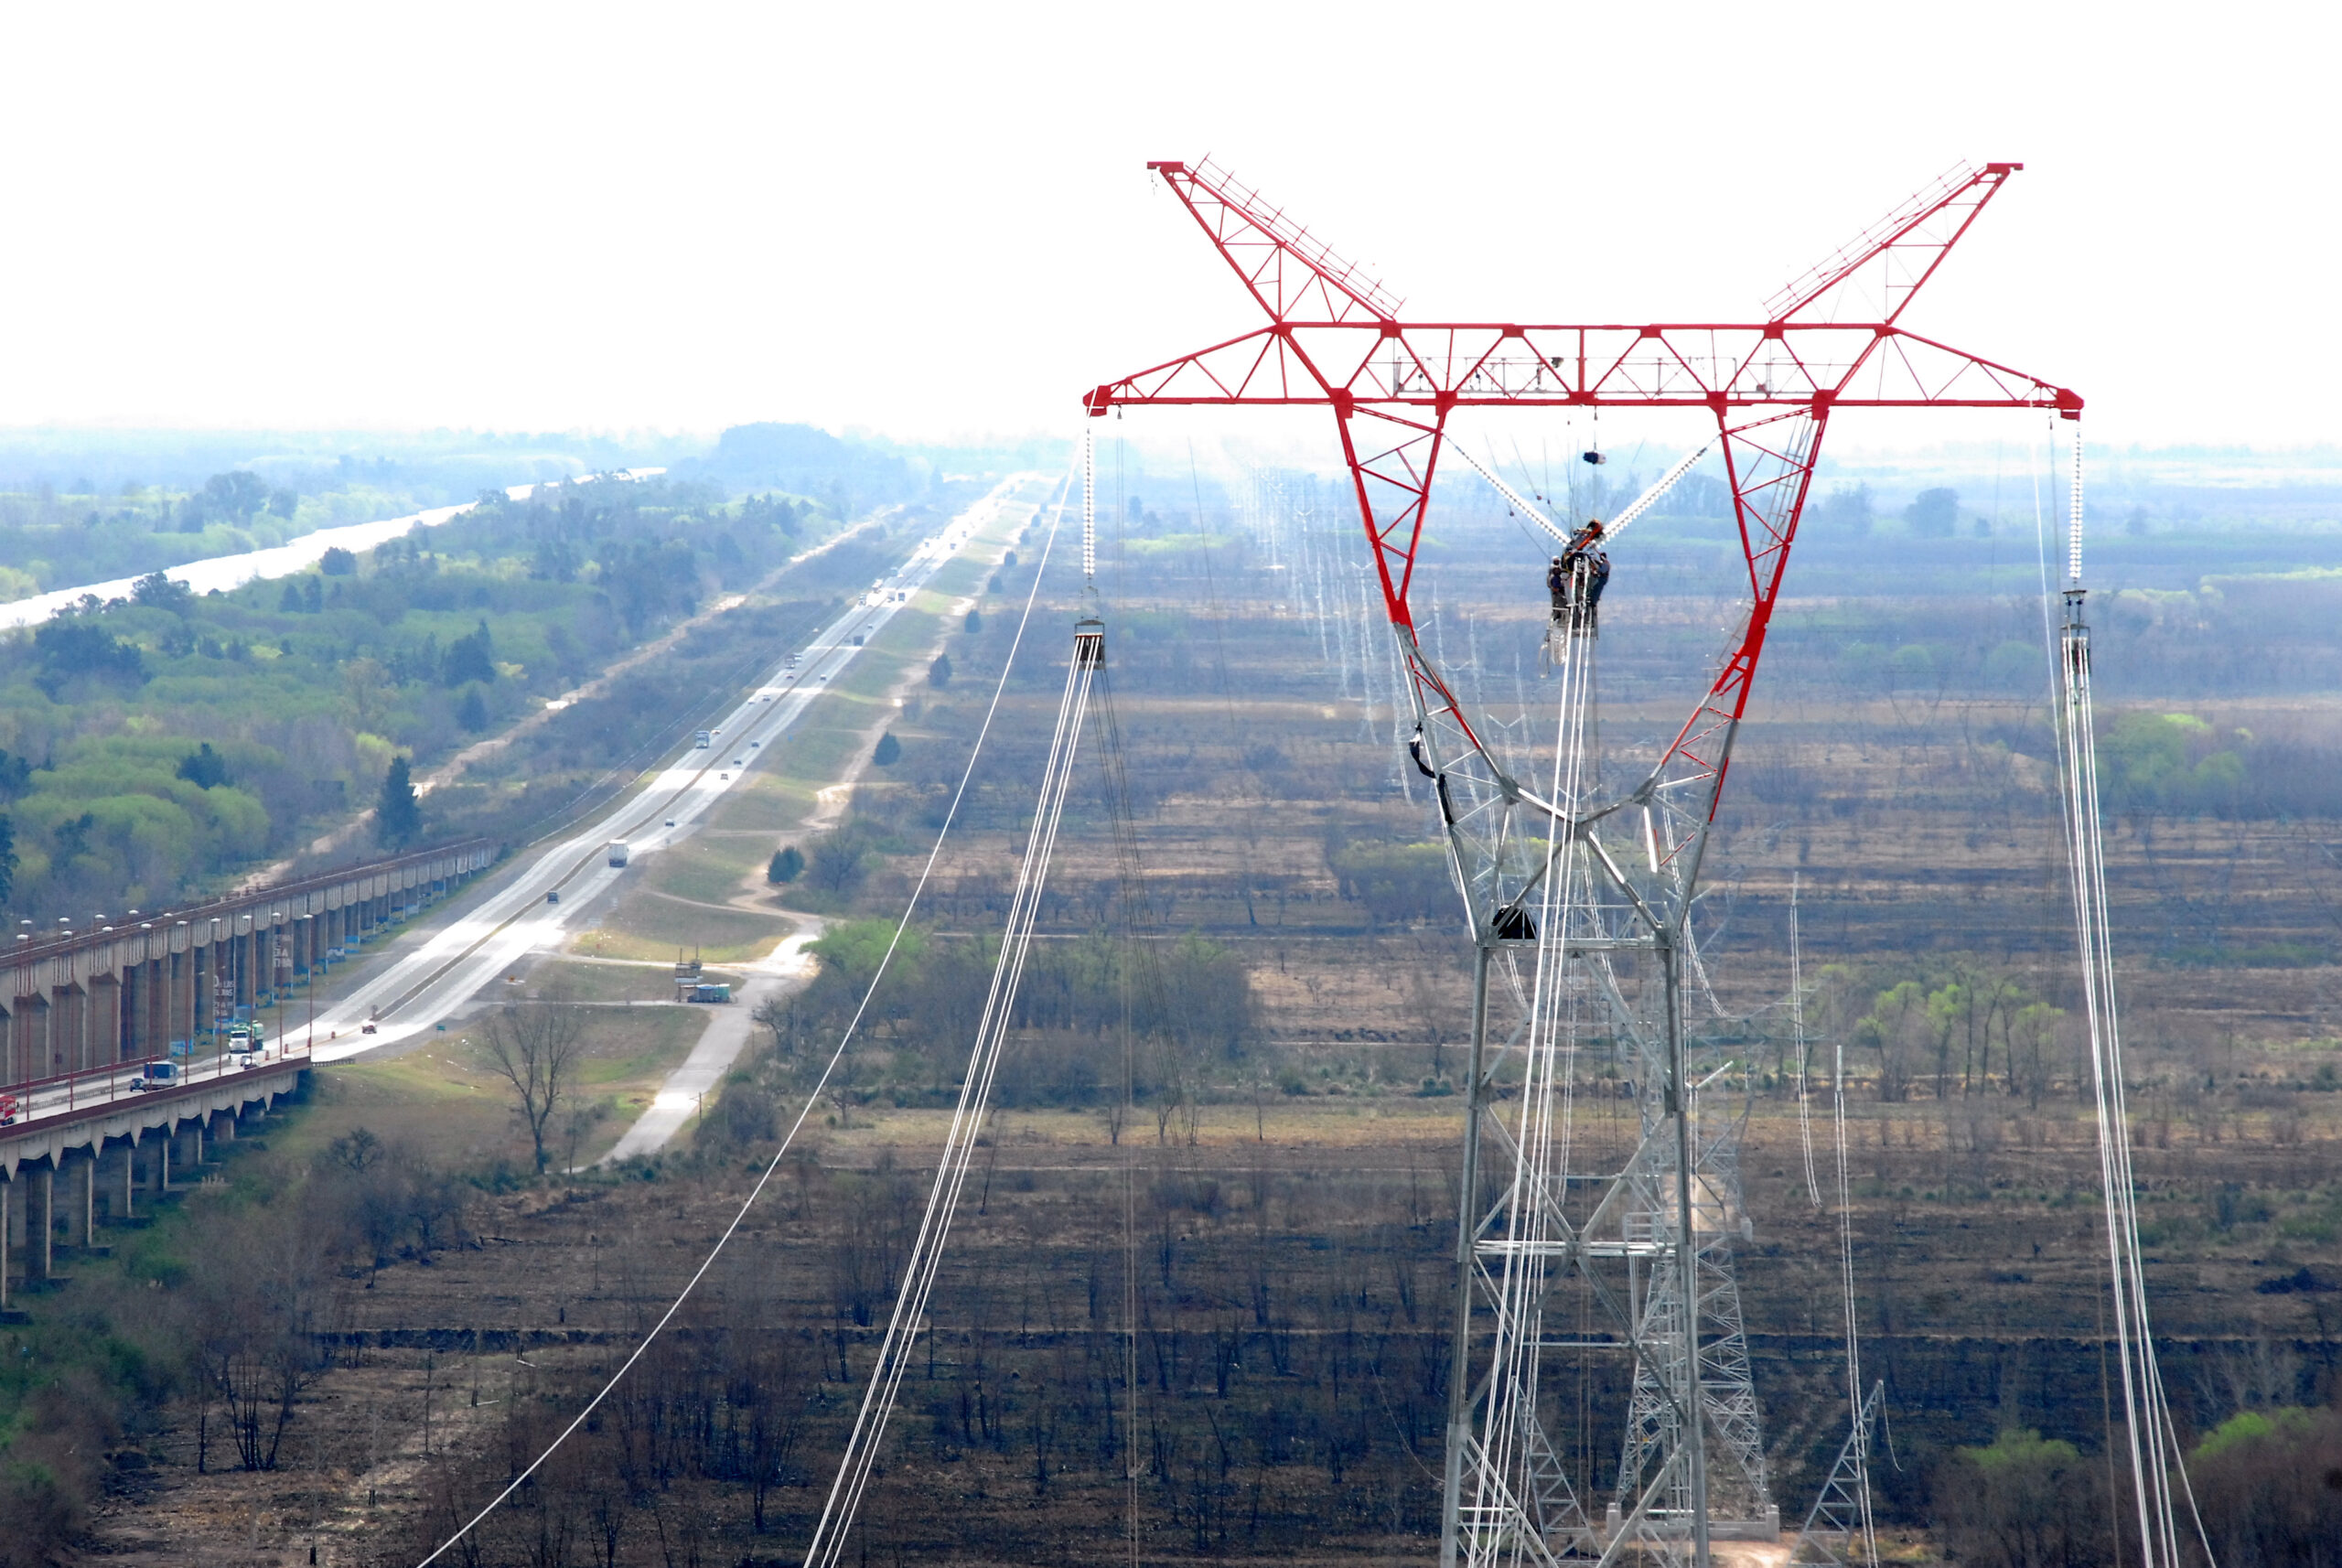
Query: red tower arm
[1334, 339]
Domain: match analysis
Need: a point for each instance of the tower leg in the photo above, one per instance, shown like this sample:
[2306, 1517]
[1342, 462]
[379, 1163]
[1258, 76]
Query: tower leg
[1459, 1375]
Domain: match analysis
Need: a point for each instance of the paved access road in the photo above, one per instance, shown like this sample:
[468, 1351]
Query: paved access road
[418, 989]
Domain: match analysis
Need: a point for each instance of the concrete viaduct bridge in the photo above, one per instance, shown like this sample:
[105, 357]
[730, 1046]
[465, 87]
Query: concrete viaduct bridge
[115, 1068]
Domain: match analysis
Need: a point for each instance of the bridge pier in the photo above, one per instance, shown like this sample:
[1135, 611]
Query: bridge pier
[114, 1195]
[108, 1026]
[40, 1251]
[80, 1172]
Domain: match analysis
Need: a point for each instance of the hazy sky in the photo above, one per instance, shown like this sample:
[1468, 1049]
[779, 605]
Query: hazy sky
[936, 219]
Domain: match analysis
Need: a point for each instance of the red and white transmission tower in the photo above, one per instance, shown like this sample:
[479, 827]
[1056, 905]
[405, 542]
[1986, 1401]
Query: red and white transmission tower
[1611, 880]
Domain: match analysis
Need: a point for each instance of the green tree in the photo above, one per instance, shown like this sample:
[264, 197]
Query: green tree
[471, 713]
[1934, 514]
[939, 672]
[158, 590]
[787, 864]
[7, 856]
[888, 751]
[975, 621]
[2024, 1502]
[1893, 1020]
[471, 657]
[204, 767]
[338, 562]
[1847, 509]
[2271, 1484]
[70, 648]
[398, 815]
[238, 494]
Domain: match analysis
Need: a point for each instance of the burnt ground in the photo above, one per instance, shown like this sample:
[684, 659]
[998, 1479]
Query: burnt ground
[1289, 1263]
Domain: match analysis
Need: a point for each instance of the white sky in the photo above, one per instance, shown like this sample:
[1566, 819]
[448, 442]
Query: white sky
[935, 219]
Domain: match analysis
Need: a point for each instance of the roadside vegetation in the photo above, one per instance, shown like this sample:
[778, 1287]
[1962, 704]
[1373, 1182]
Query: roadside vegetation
[157, 742]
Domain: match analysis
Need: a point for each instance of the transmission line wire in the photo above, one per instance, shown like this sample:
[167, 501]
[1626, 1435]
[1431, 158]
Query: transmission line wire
[812, 1098]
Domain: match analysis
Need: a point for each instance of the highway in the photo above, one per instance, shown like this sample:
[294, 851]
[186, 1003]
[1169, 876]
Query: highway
[415, 991]
[419, 989]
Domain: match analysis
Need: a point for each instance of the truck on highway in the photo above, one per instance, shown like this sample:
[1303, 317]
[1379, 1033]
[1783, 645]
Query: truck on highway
[618, 851]
[702, 739]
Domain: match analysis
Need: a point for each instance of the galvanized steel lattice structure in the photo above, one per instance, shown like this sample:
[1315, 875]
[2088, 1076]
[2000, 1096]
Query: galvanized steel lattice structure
[1579, 903]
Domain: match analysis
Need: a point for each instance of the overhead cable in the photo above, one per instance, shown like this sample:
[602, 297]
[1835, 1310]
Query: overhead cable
[811, 1099]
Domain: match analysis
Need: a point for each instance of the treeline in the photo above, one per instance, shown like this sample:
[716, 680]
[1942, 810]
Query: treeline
[1178, 1010]
[2267, 1485]
[1961, 1027]
[150, 744]
[51, 540]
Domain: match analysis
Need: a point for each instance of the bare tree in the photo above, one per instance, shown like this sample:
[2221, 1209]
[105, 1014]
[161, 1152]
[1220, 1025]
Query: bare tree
[535, 1046]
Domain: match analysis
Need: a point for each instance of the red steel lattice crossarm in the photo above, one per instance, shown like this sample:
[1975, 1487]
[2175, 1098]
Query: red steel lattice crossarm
[1830, 340]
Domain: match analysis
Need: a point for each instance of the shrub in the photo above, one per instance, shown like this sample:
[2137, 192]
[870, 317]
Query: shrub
[2271, 1486]
[2026, 1501]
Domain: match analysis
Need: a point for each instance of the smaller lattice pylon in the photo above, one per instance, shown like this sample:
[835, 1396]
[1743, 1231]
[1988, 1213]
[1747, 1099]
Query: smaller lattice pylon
[1838, 1532]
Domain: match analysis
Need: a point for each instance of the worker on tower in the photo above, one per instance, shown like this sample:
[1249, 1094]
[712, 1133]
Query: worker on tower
[1578, 574]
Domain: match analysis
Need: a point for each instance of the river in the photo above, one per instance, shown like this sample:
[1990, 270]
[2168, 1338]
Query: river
[225, 571]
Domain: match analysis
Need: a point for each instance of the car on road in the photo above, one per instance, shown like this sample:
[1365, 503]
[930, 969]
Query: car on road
[157, 1075]
[670, 821]
[739, 762]
[243, 1061]
[554, 896]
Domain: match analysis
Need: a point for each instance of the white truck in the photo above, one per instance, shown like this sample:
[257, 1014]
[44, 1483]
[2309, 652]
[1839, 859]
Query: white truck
[618, 851]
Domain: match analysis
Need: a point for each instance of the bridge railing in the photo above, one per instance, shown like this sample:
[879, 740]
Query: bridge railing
[51, 1102]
